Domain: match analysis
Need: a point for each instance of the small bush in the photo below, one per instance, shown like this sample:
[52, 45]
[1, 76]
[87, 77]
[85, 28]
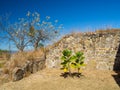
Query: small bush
[72, 61]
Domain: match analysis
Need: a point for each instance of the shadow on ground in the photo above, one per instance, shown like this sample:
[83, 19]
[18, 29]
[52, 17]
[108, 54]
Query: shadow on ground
[116, 66]
[66, 74]
[117, 79]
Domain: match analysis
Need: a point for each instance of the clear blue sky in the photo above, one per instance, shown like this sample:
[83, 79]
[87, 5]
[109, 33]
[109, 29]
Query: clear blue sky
[73, 14]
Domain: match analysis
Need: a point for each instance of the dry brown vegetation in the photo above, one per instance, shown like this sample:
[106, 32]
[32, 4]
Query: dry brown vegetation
[108, 31]
[4, 56]
[17, 60]
[22, 57]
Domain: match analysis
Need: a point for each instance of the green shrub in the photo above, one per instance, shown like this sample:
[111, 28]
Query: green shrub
[72, 61]
[67, 58]
[79, 61]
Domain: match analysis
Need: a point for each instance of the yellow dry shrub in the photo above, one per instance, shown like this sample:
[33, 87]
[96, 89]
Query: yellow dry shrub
[19, 59]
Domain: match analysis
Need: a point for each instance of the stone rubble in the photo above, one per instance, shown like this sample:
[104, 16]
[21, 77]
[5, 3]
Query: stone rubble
[29, 67]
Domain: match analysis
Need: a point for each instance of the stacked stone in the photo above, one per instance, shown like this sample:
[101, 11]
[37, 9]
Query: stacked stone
[99, 48]
[31, 66]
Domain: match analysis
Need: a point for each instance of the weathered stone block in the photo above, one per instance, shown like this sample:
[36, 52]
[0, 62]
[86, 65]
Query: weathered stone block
[17, 74]
[102, 66]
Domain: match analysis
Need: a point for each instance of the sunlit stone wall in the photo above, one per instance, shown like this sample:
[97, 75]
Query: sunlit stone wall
[100, 49]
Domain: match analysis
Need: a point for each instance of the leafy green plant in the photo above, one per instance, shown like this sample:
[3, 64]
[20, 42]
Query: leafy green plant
[69, 60]
[79, 61]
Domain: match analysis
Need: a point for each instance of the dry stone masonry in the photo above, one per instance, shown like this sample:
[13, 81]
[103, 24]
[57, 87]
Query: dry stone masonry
[101, 49]
[31, 66]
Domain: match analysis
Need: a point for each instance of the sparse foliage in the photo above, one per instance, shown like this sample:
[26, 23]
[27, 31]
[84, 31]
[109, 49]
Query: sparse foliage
[42, 30]
[30, 31]
[16, 33]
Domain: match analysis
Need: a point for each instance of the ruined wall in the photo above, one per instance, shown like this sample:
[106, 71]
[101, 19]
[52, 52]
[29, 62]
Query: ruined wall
[23, 64]
[100, 49]
[29, 67]
[18, 72]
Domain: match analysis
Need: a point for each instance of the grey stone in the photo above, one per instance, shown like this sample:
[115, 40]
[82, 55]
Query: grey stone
[17, 74]
[99, 46]
[102, 66]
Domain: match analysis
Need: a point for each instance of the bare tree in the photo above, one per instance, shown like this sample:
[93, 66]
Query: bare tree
[17, 33]
[42, 31]
[30, 30]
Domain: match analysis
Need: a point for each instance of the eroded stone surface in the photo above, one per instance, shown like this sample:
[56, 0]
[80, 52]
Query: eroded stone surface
[29, 67]
[17, 74]
[101, 47]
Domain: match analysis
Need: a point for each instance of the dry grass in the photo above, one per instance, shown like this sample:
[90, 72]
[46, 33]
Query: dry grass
[4, 57]
[24, 56]
[96, 32]
[31, 55]
[19, 59]
[108, 31]
[49, 79]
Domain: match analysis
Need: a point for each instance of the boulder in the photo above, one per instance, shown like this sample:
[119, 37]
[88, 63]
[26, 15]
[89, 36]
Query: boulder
[17, 74]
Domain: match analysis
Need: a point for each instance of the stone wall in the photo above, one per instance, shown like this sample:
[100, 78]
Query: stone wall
[31, 66]
[100, 49]
[20, 71]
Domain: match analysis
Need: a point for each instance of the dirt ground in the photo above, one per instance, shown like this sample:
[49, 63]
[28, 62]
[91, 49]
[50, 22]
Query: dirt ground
[50, 79]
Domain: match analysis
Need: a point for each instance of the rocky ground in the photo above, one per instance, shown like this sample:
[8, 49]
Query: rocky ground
[50, 79]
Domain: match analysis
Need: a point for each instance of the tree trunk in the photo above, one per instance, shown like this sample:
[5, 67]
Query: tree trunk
[36, 45]
[21, 49]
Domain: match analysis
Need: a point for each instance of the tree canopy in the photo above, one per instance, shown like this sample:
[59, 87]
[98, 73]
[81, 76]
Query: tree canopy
[30, 31]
